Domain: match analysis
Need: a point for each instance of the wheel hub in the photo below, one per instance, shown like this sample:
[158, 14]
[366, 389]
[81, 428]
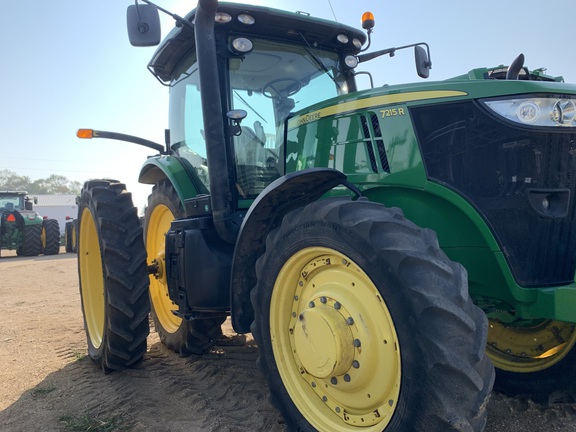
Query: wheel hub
[324, 341]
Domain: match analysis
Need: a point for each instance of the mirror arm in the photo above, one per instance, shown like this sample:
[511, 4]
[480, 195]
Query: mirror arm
[365, 57]
[179, 20]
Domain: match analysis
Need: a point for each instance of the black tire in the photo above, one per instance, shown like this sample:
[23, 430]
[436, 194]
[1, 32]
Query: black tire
[113, 276]
[312, 282]
[75, 236]
[32, 241]
[68, 228]
[536, 359]
[182, 336]
[50, 237]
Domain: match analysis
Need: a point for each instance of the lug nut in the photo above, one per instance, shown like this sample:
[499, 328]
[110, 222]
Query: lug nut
[350, 321]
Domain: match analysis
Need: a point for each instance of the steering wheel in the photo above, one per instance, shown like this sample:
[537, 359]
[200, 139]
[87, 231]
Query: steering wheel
[270, 91]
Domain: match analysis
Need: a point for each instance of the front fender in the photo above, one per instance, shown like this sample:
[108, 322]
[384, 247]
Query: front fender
[177, 171]
[281, 196]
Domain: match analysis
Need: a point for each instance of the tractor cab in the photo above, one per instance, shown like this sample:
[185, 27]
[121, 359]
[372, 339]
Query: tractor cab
[10, 201]
[269, 65]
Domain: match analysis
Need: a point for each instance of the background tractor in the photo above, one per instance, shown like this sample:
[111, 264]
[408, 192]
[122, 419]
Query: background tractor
[24, 230]
[381, 245]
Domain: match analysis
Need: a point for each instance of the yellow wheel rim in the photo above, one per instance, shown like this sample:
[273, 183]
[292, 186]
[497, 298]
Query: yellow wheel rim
[529, 349]
[43, 237]
[91, 279]
[334, 342]
[73, 238]
[158, 226]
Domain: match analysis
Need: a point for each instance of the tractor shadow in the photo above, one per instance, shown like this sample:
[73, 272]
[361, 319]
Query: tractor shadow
[219, 391]
[10, 255]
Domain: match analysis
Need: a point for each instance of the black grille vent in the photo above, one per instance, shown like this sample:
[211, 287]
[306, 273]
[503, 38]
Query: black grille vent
[498, 167]
[380, 143]
[366, 131]
[375, 136]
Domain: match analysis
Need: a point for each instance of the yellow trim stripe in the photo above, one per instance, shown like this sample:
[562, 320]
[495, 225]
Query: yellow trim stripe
[370, 103]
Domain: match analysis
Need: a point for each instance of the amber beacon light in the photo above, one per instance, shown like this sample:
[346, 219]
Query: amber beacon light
[367, 20]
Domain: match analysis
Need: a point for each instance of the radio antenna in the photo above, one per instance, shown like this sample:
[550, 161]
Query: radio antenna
[330, 3]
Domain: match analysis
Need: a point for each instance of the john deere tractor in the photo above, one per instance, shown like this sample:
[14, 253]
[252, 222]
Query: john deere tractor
[382, 245]
[24, 230]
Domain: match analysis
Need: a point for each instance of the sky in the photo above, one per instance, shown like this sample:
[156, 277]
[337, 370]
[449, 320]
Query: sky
[67, 64]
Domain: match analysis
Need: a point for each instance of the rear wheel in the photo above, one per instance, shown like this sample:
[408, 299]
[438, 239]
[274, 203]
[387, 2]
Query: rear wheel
[535, 359]
[68, 228]
[75, 236]
[113, 276]
[50, 237]
[362, 323]
[183, 336]
[32, 241]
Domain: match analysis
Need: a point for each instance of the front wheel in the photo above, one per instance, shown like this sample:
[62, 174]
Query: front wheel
[363, 324]
[68, 228]
[113, 275]
[182, 336]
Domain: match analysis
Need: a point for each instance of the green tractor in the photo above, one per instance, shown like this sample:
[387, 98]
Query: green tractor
[382, 245]
[24, 230]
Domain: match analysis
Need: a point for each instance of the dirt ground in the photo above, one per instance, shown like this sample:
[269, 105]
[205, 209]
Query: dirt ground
[48, 384]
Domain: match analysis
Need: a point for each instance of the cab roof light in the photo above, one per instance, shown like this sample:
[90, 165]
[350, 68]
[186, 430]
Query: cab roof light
[342, 38]
[246, 19]
[242, 45]
[357, 43]
[222, 18]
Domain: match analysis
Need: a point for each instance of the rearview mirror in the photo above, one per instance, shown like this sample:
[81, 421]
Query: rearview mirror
[423, 64]
[143, 23]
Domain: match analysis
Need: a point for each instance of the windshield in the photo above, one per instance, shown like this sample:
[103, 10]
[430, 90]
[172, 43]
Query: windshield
[270, 82]
[11, 202]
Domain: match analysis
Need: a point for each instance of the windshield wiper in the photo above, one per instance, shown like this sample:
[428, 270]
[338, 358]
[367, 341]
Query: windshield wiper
[318, 61]
[249, 106]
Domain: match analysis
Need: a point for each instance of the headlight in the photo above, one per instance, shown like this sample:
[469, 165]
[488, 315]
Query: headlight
[536, 111]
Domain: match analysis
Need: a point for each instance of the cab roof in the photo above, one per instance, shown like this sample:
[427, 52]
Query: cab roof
[269, 23]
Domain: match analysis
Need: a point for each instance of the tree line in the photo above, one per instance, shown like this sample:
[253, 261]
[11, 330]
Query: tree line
[54, 184]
